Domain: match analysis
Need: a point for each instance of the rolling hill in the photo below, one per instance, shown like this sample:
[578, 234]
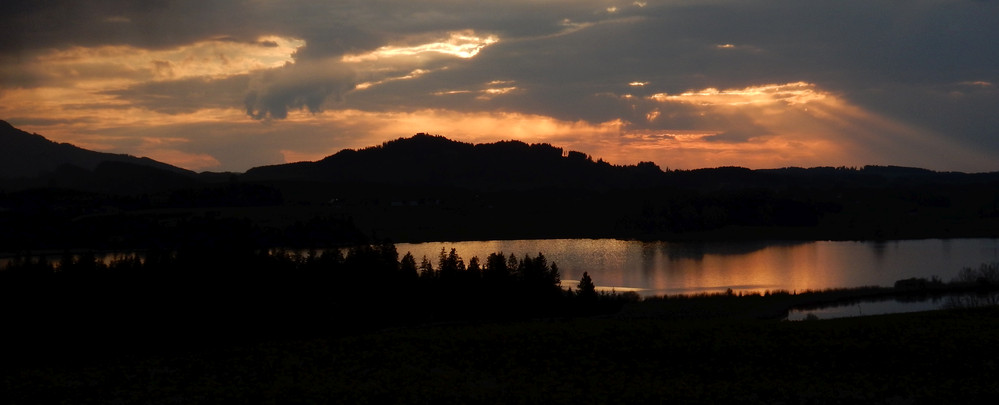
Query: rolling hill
[428, 187]
[433, 160]
[23, 154]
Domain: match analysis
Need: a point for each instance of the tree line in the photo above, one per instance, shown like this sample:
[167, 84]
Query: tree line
[278, 291]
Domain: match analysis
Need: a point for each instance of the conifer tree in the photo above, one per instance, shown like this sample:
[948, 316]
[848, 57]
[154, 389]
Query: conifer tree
[586, 287]
[407, 266]
[427, 269]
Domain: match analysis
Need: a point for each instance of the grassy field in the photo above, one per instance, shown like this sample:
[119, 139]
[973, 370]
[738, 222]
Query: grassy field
[931, 357]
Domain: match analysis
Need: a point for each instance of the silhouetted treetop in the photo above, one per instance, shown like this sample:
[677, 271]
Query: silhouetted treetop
[586, 287]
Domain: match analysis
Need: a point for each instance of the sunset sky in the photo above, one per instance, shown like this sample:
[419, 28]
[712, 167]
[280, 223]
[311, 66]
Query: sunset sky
[227, 85]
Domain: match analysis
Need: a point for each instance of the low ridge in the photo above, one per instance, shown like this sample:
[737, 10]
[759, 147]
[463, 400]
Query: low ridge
[24, 154]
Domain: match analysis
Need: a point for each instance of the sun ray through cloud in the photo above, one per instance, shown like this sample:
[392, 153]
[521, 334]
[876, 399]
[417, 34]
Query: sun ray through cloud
[620, 72]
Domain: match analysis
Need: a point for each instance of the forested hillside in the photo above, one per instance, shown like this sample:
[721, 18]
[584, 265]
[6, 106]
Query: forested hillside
[428, 187]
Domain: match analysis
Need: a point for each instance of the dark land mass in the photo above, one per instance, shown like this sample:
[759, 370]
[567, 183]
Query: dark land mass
[237, 326]
[212, 312]
[429, 188]
[25, 155]
[944, 357]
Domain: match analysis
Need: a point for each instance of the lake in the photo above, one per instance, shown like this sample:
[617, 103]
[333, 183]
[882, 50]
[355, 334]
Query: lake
[657, 268]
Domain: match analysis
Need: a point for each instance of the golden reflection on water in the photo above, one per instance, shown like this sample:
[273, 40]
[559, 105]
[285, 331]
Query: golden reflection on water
[657, 268]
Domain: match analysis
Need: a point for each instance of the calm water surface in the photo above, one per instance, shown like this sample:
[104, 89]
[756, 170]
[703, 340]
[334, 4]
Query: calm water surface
[863, 308]
[657, 268]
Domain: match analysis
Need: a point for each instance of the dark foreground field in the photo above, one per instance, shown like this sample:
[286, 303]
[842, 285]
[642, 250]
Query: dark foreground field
[932, 357]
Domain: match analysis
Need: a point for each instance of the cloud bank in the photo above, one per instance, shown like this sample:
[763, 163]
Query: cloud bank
[227, 85]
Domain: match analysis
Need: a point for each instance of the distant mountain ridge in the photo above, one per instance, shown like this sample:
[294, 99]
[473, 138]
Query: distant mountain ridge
[24, 155]
[425, 160]
[430, 188]
[434, 160]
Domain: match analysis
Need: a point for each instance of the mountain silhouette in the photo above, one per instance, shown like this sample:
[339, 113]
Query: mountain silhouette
[24, 155]
[428, 188]
[433, 160]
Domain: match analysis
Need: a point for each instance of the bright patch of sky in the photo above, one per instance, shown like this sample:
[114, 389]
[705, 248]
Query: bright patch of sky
[228, 85]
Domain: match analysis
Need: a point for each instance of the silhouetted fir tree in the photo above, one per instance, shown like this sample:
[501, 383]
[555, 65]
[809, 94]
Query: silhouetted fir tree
[388, 256]
[427, 269]
[126, 265]
[496, 270]
[310, 257]
[537, 276]
[586, 289]
[527, 271]
[330, 260]
[22, 268]
[450, 265]
[367, 265]
[513, 264]
[407, 266]
[474, 268]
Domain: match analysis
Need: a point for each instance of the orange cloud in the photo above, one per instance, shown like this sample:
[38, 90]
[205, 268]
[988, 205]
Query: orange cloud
[799, 124]
[99, 67]
[75, 95]
[764, 126]
[612, 141]
[461, 44]
[790, 93]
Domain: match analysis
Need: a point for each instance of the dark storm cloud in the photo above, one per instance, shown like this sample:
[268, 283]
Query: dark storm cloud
[675, 46]
[849, 48]
[591, 61]
[306, 85]
[966, 111]
[915, 40]
[32, 24]
[331, 27]
[330, 30]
